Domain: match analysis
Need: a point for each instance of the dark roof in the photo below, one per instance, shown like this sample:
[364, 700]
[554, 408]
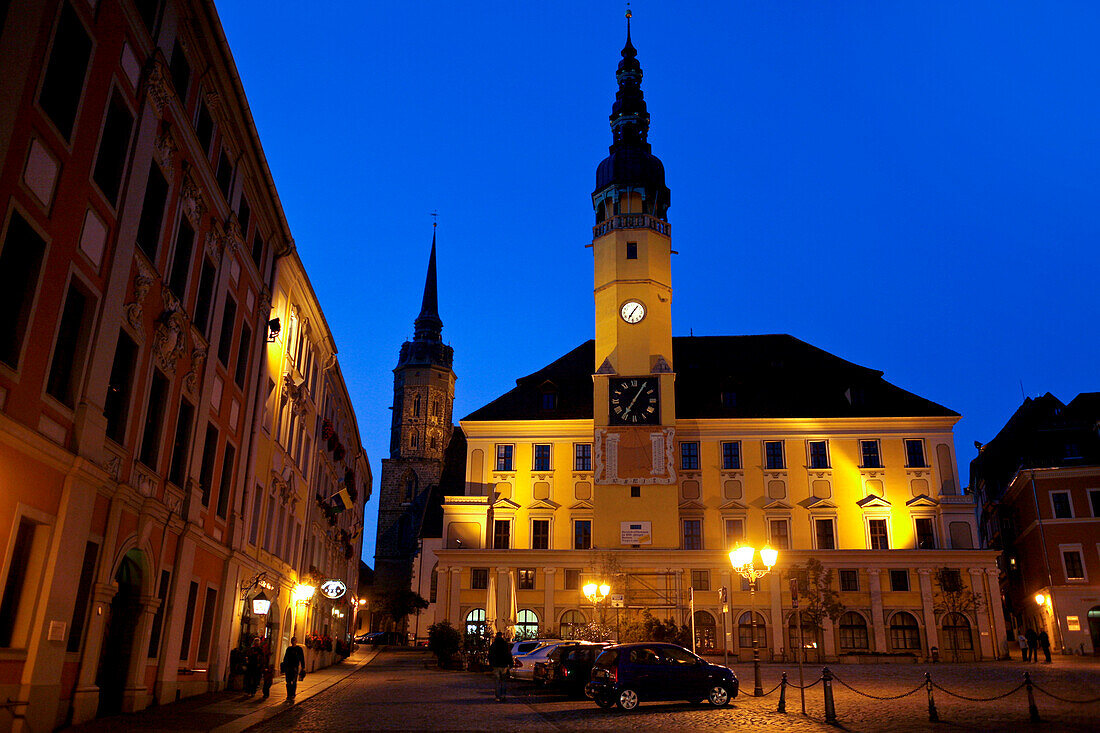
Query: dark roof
[772, 376]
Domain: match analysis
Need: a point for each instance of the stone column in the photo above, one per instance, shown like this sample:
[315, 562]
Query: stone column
[931, 630]
[443, 594]
[86, 694]
[726, 579]
[987, 643]
[505, 617]
[135, 695]
[828, 639]
[996, 611]
[546, 628]
[775, 590]
[878, 622]
[454, 610]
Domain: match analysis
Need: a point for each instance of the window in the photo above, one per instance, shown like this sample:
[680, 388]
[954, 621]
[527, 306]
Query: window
[689, 456]
[204, 127]
[779, 534]
[224, 173]
[205, 297]
[227, 480]
[210, 609]
[904, 632]
[14, 607]
[501, 533]
[152, 213]
[956, 632]
[114, 143]
[728, 399]
[582, 534]
[206, 472]
[527, 624]
[700, 579]
[154, 418]
[504, 457]
[635, 492]
[1075, 568]
[877, 530]
[746, 584]
[731, 455]
[241, 372]
[181, 258]
[823, 531]
[1094, 501]
[735, 531]
[65, 71]
[525, 578]
[542, 457]
[692, 534]
[83, 596]
[540, 534]
[177, 469]
[950, 580]
[549, 400]
[158, 618]
[914, 454]
[632, 250]
[1060, 501]
[819, 454]
[773, 455]
[269, 525]
[479, 578]
[188, 621]
[582, 456]
[225, 340]
[926, 535]
[572, 579]
[849, 581]
[257, 508]
[116, 404]
[180, 70]
[258, 250]
[746, 633]
[853, 631]
[899, 580]
[20, 262]
[571, 622]
[68, 351]
[868, 450]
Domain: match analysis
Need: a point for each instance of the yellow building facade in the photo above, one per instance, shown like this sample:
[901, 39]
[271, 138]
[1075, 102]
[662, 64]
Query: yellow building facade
[640, 459]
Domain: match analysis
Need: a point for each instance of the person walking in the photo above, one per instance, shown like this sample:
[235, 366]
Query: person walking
[1032, 644]
[294, 667]
[500, 659]
[1044, 642]
[1022, 641]
[253, 667]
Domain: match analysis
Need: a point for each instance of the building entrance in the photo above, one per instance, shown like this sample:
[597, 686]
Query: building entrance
[1094, 628]
[118, 638]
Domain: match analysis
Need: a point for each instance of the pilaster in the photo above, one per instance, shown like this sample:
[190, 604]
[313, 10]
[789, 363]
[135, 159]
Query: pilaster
[878, 621]
[986, 639]
[996, 612]
[548, 616]
[931, 631]
[775, 591]
[454, 610]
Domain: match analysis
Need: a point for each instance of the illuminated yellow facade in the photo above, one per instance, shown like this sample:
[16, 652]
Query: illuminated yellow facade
[640, 459]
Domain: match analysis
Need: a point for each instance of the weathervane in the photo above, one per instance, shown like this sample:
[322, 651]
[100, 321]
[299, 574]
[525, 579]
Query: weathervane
[435, 218]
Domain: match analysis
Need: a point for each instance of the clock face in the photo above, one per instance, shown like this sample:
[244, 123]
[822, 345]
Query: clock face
[632, 311]
[634, 401]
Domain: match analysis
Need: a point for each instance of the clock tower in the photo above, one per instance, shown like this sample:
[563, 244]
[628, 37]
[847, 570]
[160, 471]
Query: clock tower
[633, 388]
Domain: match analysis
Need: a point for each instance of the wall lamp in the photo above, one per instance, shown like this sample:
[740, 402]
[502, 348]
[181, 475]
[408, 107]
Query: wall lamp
[274, 328]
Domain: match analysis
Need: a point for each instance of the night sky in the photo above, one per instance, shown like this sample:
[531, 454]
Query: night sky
[912, 187]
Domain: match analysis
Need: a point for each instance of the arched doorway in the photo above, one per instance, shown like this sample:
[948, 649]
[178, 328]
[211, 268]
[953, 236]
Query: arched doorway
[745, 636]
[571, 622]
[956, 637]
[118, 636]
[853, 634]
[811, 640]
[1094, 628]
[706, 632]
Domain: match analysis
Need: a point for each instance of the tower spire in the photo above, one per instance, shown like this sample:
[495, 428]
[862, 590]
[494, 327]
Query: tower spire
[428, 325]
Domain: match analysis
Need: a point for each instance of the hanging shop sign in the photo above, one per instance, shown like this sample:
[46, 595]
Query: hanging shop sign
[261, 605]
[333, 588]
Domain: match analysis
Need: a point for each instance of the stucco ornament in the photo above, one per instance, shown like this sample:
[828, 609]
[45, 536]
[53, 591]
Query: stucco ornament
[143, 280]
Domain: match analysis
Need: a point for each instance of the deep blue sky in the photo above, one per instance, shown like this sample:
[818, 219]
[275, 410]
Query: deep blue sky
[911, 186]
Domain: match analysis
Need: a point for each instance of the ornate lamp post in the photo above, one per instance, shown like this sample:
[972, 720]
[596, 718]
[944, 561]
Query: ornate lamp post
[596, 593]
[743, 565]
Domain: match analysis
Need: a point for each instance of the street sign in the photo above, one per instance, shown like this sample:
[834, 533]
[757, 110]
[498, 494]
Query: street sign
[618, 600]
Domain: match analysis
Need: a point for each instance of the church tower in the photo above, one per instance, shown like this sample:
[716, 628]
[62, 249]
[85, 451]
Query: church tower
[634, 384]
[423, 396]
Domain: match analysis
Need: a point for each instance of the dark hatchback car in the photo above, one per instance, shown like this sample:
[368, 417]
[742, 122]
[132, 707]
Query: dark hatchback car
[627, 674]
[568, 667]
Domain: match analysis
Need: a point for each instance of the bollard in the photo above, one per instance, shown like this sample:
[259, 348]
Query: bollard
[827, 683]
[1032, 711]
[782, 694]
[933, 716]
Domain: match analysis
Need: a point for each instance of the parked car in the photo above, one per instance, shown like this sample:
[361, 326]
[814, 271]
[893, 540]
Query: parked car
[627, 674]
[523, 667]
[569, 666]
[526, 646]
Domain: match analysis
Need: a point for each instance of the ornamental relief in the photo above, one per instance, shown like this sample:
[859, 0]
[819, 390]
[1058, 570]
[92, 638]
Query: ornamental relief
[191, 379]
[170, 340]
[194, 206]
[166, 149]
[634, 456]
[157, 86]
[143, 281]
[215, 243]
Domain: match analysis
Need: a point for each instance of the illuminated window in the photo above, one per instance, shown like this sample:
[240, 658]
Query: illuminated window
[731, 455]
[1075, 568]
[525, 578]
[475, 622]
[527, 625]
[773, 455]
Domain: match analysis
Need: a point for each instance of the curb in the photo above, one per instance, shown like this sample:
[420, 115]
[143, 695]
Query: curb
[271, 711]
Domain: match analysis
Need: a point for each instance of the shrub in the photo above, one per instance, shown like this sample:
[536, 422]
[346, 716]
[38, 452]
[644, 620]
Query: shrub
[443, 641]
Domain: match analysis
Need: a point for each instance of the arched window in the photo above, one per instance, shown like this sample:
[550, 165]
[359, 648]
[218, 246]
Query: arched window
[414, 441]
[706, 631]
[416, 406]
[904, 632]
[956, 632]
[475, 622]
[744, 631]
[434, 587]
[810, 635]
[410, 486]
[571, 623]
[527, 625]
[853, 631]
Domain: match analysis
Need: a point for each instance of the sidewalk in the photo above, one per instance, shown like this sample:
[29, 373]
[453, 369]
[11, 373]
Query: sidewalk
[228, 712]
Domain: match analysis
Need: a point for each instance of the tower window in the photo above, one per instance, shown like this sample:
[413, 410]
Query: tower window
[416, 406]
[632, 250]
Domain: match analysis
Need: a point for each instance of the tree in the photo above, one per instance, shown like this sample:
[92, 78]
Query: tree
[400, 603]
[952, 596]
[443, 641]
[648, 627]
[817, 599]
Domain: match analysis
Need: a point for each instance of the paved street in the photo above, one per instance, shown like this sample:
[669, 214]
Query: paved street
[404, 691]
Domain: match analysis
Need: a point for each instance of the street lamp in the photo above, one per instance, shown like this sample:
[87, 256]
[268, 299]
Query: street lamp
[596, 593]
[742, 560]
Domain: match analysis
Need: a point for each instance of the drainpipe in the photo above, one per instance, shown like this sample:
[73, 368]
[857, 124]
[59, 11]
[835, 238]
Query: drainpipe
[1046, 560]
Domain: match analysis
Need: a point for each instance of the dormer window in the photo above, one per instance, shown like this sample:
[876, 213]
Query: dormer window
[549, 400]
[729, 398]
[632, 250]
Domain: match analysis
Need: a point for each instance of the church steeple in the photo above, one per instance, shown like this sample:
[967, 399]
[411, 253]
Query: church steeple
[428, 325]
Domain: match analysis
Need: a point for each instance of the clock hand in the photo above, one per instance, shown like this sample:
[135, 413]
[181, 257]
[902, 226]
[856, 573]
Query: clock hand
[635, 398]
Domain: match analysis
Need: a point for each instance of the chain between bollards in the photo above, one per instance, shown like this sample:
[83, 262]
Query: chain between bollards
[782, 694]
[1032, 711]
[827, 683]
[933, 716]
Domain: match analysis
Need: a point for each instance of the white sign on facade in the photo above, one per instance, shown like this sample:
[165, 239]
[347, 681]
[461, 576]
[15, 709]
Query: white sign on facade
[636, 533]
[618, 601]
[333, 588]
